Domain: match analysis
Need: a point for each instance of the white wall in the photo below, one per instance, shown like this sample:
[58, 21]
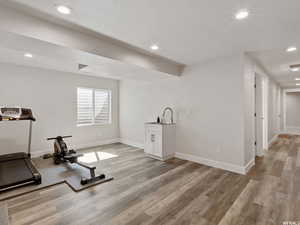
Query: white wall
[249, 109]
[208, 101]
[214, 104]
[52, 97]
[292, 100]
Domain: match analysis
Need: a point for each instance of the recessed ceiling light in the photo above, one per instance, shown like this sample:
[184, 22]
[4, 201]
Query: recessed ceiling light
[291, 49]
[63, 9]
[242, 14]
[154, 47]
[297, 84]
[295, 69]
[28, 55]
[297, 78]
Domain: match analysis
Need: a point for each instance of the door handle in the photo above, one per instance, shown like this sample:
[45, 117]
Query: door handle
[152, 138]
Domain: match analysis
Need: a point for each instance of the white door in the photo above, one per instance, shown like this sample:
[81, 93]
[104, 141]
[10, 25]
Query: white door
[278, 110]
[259, 115]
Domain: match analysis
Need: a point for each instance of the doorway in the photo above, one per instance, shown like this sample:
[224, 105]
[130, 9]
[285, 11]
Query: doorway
[288, 125]
[261, 114]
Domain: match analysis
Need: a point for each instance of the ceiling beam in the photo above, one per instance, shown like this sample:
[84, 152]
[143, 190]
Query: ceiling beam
[21, 22]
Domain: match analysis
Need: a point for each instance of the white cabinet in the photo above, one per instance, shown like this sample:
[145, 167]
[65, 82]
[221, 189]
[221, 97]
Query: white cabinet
[160, 140]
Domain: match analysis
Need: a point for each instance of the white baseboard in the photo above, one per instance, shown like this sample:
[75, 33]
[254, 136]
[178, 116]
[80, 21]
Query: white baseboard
[132, 143]
[95, 143]
[292, 130]
[291, 133]
[272, 140]
[39, 153]
[213, 163]
[77, 146]
[249, 165]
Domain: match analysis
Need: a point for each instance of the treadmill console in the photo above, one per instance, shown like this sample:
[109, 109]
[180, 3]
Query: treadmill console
[15, 113]
[10, 112]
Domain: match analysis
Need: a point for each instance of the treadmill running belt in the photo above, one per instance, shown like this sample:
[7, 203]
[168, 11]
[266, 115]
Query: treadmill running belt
[10, 173]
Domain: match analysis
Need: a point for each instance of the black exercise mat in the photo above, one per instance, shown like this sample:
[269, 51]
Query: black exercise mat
[53, 175]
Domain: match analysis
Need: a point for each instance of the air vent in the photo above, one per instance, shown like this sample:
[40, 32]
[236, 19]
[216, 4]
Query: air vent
[295, 67]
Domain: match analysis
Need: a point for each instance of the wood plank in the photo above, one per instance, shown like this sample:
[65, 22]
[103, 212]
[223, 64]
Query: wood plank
[4, 214]
[149, 200]
[241, 205]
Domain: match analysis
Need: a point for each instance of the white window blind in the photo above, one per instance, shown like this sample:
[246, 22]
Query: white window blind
[93, 106]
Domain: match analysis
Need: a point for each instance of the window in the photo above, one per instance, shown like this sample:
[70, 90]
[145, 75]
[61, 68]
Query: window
[93, 106]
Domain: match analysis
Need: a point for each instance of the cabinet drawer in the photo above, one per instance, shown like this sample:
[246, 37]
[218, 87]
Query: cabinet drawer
[154, 128]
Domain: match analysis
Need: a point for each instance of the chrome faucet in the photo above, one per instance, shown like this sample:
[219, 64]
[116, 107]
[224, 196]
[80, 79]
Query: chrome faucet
[164, 113]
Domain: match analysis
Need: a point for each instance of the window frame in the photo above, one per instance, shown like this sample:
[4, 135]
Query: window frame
[93, 100]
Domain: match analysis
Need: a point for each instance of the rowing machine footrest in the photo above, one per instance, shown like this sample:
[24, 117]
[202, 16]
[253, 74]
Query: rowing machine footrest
[37, 178]
[85, 181]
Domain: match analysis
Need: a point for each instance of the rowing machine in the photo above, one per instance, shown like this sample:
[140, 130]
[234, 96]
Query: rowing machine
[63, 155]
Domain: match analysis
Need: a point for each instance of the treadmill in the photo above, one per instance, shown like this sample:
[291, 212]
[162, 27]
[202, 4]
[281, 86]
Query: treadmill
[17, 169]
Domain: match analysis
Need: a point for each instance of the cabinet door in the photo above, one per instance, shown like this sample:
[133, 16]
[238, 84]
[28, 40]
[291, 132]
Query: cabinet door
[153, 142]
[149, 142]
[157, 144]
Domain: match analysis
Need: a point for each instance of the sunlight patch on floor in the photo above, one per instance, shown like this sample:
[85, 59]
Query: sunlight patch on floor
[105, 155]
[92, 157]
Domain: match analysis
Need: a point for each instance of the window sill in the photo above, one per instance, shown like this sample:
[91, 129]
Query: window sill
[93, 125]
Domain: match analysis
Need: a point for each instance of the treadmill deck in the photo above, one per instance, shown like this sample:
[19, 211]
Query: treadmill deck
[16, 169]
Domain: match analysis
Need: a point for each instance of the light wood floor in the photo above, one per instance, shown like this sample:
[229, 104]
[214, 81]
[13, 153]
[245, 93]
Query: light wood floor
[146, 191]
